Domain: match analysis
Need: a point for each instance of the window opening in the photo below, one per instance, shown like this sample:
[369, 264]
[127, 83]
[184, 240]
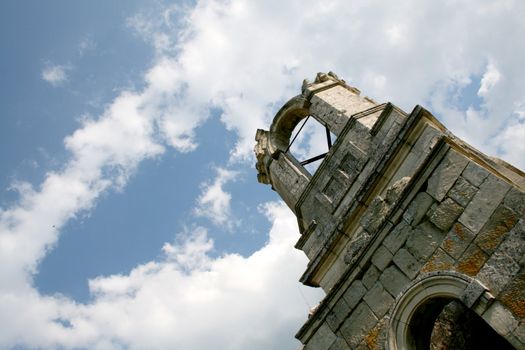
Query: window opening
[311, 143]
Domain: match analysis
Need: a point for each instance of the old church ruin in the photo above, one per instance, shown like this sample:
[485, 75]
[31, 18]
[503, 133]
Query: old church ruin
[417, 238]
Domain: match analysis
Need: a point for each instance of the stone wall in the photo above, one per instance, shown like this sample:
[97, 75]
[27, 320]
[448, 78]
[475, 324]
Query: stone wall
[463, 219]
[408, 229]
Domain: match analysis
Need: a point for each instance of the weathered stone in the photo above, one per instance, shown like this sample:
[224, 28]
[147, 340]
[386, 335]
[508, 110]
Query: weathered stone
[514, 341]
[432, 209]
[394, 192]
[337, 314]
[322, 339]
[514, 243]
[397, 237]
[472, 293]
[362, 346]
[491, 235]
[393, 280]
[457, 240]
[446, 174]
[513, 296]
[378, 299]
[446, 214]
[462, 191]
[359, 240]
[424, 240]
[458, 327]
[418, 208]
[375, 338]
[360, 322]
[370, 277]
[407, 263]
[354, 293]
[472, 260]
[382, 336]
[519, 332]
[499, 318]
[375, 215]
[438, 262]
[452, 328]
[382, 257]
[490, 194]
[474, 174]
[498, 271]
[515, 200]
[339, 344]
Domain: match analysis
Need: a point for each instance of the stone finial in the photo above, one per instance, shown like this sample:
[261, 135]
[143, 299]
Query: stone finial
[260, 151]
[322, 77]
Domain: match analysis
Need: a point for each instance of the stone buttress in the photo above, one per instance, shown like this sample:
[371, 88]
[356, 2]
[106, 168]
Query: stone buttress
[417, 238]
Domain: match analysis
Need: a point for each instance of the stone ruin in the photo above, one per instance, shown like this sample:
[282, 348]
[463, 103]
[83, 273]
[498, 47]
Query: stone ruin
[417, 238]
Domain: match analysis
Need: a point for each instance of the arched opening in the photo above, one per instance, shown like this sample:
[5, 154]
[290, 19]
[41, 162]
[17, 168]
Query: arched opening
[300, 135]
[430, 315]
[310, 143]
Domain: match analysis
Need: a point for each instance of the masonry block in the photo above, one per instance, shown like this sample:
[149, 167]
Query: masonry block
[322, 339]
[382, 257]
[407, 263]
[424, 240]
[378, 299]
[397, 237]
[370, 277]
[446, 174]
[446, 214]
[491, 235]
[354, 293]
[393, 280]
[462, 192]
[457, 240]
[360, 322]
[490, 194]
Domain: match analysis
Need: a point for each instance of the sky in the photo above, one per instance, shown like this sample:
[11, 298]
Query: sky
[130, 214]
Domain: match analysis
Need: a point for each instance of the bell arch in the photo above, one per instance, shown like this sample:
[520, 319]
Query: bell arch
[276, 165]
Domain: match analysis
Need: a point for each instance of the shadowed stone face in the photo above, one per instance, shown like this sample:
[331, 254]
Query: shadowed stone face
[457, 327]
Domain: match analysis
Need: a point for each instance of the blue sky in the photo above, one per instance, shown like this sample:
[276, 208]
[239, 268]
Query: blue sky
[130, 214]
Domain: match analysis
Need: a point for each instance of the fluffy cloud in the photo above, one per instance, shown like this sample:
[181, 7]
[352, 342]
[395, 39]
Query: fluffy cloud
[228, 57]
[187, 300]
[245, 58]
[55, 74]
[214, 202]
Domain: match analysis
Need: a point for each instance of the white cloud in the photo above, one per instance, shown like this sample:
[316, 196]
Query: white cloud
[490, 78]
[55, 74]
[188, 300]
[214, 202]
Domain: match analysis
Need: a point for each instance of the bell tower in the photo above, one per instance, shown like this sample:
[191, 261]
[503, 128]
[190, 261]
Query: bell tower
[407, 228]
